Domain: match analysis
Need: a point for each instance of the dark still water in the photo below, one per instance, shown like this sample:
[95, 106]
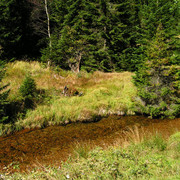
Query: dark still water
[26, 149]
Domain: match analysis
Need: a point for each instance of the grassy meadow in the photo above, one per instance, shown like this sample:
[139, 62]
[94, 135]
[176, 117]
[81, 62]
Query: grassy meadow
[153, 158]
[138, 157]
[103, 94]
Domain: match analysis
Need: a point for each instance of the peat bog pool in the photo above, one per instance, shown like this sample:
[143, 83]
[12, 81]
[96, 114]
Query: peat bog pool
[24, 150]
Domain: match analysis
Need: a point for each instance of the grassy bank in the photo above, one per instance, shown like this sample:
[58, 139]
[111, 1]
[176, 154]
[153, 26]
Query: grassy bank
[154, 158]
[103, 94]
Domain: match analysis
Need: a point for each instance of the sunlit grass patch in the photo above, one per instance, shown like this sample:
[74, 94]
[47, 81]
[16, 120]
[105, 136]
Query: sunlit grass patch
[103, 94]
[99, 100]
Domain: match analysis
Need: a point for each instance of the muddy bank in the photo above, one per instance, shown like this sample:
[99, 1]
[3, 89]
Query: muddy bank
[24, 150]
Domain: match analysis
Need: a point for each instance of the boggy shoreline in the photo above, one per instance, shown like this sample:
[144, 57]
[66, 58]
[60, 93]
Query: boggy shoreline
[24, 150]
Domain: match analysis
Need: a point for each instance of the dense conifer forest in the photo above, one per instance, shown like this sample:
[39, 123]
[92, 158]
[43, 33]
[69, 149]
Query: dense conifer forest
[106, 35]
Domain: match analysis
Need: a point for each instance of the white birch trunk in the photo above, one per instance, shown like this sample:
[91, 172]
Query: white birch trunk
[48, 24]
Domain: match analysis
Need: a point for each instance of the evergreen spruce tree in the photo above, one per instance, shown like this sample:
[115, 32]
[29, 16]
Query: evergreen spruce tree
[58, 10]
[151, 14]
[123, 34]
[103, 53]
[158, 81]
[108, 34]
[10, 32]
[96, 35]
[75, 44]
[16, 34]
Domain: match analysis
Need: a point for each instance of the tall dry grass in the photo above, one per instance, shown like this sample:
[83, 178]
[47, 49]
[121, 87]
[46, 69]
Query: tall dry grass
[103, 94]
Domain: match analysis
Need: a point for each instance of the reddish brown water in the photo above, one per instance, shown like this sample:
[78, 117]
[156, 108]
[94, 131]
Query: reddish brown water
[23, 150]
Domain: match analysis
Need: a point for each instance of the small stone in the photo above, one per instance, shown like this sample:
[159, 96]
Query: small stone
[67, 176]
[66, 122]
[120, 113]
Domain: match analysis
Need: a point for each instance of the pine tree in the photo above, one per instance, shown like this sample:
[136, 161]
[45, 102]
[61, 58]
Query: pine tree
[58, 10]
[152, 13]
[123, 34]
[108, 34]
[158, 81]
[10, 32]
[16, 34]
[102, 31]
[75, 44]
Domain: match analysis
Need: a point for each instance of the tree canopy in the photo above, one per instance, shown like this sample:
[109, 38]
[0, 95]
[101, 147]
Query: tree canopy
[106, 35]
